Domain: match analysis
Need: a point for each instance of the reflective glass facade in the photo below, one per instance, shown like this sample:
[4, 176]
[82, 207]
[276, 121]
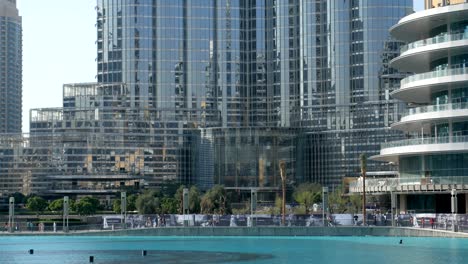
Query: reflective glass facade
[314, 66]
[219, 91]
[11, 62]
[346, 91]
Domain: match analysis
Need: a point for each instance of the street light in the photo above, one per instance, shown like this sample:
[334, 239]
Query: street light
[123, 208]
[253, 205]
[324, 203]
[66, 204]
[454, 209]
[11, 215]
[185, 204]
[363, 160]
[393, 204]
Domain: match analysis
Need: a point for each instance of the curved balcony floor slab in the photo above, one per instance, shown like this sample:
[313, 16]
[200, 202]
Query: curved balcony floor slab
[423, 21]
[419, 91]
[392, 154]
[419, 59]
[414, 122]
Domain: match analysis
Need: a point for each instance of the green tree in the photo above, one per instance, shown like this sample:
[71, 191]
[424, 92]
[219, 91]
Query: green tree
[215, 201]
[306, 194]
[87, 206]
[178, 196]
[194, 200]
[131, 200]
[355, 203]
[169, 205]
[56, 205]
[338, 201]
[149, 202]
[276, 209]
[116, 206]
[37, 204]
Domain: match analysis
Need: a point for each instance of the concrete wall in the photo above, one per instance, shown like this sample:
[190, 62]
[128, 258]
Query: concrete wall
[279, 231]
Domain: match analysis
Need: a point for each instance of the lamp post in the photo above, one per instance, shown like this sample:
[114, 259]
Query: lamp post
[393, 204]
[253, 205]
[363, 160]
[123, 208]
[11, 215]
[282, 165]
[324, 204]
[66, 204]
[454, 209]
[185, 204]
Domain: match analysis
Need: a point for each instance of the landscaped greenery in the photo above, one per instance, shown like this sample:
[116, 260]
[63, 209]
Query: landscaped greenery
[168, 199]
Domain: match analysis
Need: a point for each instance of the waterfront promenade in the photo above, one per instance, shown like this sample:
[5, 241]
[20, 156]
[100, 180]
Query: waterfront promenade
[256, 231]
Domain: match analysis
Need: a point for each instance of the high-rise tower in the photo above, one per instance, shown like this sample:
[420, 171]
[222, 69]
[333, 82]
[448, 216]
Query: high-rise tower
[433, 159]
[218, 92]
[10, 67]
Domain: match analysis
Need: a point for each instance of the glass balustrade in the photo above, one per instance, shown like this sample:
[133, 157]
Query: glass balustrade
[425, 141]
[435, 108]
[434, 40]
[456, 69]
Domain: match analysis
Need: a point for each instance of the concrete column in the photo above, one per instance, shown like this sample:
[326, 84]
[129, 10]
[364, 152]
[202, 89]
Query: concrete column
[403, 201]
[466, 202]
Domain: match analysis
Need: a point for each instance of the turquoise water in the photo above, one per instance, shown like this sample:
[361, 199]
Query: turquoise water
[271, 250]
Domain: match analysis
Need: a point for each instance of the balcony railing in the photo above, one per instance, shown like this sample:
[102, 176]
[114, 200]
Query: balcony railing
[395, 184]
[434, 40]
[447, 3]
[456, 69]
[379, 182]
[435, 108]
[425, 141]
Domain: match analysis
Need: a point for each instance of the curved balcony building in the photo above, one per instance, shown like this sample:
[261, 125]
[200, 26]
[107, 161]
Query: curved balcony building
[435, 154]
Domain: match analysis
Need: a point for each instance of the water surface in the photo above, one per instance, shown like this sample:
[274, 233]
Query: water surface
[271, 250]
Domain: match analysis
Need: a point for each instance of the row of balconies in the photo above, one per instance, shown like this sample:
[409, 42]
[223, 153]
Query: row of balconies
[418, 56]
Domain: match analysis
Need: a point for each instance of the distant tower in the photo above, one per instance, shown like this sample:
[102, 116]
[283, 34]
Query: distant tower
[10, 67]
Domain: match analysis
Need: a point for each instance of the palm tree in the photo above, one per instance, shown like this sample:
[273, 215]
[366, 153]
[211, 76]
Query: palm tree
[282, 165]
[363, 160]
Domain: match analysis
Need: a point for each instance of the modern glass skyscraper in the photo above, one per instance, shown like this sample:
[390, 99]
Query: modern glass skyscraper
[346, 108]
[220, 91]
[10, 67]
[320, 67]
[433, 159]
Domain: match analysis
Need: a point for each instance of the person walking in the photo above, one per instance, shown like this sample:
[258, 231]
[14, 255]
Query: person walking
[397, 220]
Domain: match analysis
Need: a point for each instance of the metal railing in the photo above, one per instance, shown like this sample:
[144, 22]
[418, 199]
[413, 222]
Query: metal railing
[371, 183]
[415, 220]
[393, 183]
[456, 69]
[434, 40]
[435, 108]
[425, 141]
